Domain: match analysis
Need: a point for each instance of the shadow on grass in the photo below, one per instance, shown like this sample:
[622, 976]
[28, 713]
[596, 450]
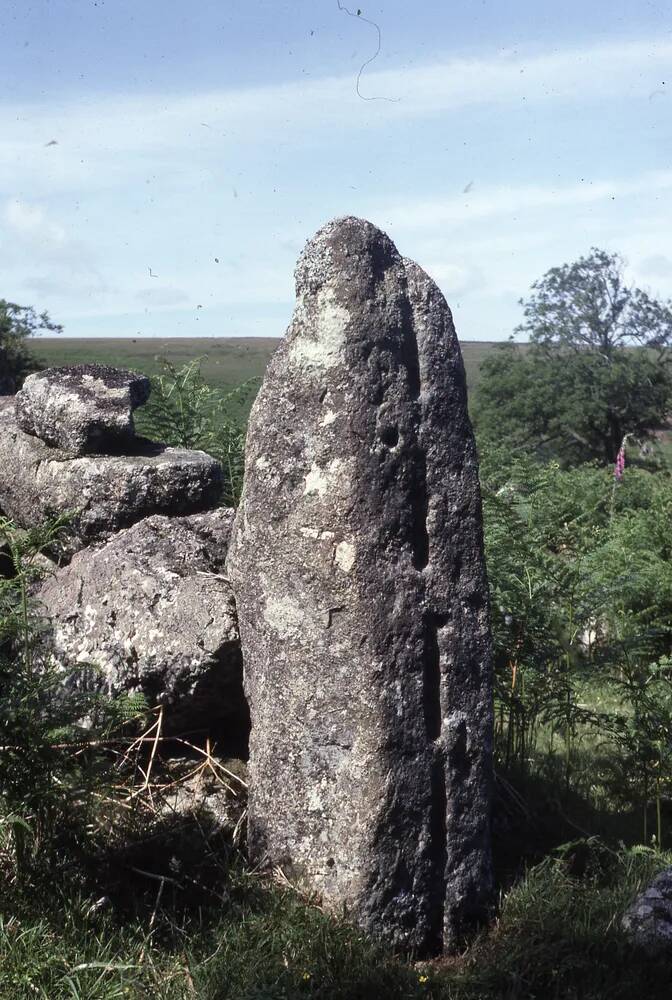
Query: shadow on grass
[175, 914]
[535, 812]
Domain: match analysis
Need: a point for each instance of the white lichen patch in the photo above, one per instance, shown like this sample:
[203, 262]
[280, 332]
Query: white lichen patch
[319, 345]
[321, 481]
[262, 462]
[315, 800]
[89, 615]
[316, 481]
[317, 534]
[284, 616]
[345, 556]
[101, 389]
[328, 418]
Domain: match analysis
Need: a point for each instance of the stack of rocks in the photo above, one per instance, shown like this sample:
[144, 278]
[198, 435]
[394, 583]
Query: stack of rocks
[139, 593]
[68, 445]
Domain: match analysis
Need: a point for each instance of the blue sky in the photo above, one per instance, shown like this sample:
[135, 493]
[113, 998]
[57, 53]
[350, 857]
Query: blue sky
[162, 163]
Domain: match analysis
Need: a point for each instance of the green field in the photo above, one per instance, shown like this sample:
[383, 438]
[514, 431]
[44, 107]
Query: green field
[227, 361]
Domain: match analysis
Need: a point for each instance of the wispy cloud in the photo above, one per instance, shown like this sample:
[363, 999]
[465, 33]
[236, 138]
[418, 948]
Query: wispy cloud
[51, 260]
[31, 226]
[512, 200]
[96, 136]
[136, 180]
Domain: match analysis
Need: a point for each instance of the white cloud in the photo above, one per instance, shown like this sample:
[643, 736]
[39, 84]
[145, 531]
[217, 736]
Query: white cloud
[513, 200]
[158, 297]
[30, 223]
[104, 140]
[147, 180]
[51, 262]
[454, 279]
[658, 265]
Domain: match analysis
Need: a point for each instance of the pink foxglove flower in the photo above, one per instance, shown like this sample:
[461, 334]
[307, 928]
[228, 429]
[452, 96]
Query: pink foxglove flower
[619, 468]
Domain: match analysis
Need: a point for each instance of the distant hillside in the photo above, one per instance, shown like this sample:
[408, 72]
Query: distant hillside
[227, 361]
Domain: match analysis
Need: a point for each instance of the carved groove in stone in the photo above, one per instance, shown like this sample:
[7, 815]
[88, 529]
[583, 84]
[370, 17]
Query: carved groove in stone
[438, 834]
[431, 687]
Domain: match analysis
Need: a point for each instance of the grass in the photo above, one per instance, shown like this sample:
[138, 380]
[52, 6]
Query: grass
[165, 907]
[98, 933]
[228, 361]
[168, 909]
[557, 936]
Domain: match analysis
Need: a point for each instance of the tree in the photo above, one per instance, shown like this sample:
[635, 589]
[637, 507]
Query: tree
[598, 365]
[17, 324]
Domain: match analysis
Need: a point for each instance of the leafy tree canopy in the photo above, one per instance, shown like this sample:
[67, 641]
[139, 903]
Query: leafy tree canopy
[17, 324]
[598, 365]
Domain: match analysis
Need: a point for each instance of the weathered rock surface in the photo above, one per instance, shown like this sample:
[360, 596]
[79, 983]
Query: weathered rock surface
[103, 492]
[81, 408]
[152, 611]
[648, 921]
[357, 567]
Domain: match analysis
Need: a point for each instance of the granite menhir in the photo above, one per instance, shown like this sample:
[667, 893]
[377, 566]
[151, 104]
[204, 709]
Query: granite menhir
[82, 409]
[358, 571]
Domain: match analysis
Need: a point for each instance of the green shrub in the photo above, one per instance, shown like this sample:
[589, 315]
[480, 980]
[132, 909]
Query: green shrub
[184, 411]
[581, 587]
[50, 726]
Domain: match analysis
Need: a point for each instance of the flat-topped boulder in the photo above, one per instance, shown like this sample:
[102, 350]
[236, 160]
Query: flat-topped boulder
[358, 571]
[101, 493]
[82, 409]
[151, 611]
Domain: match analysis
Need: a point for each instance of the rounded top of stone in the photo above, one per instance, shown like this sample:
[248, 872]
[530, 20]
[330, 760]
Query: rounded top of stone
[81, 375]
[341, 247]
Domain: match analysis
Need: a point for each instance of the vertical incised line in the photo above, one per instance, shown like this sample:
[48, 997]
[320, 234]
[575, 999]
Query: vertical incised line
[431, 662]
[438, 831]
[438, 792]
[431, 678]
[419, 510]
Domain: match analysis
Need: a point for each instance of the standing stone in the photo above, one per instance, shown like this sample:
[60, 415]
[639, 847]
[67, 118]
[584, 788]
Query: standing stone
[81, 408]
[357, 567]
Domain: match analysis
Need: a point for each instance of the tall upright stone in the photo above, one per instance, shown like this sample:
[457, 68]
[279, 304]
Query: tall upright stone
[357, 566]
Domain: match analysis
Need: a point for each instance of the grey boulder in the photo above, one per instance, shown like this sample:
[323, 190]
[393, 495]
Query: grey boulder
[359, 577]
[81, 408]
[150, 611]
[102, 493]
[648, 921]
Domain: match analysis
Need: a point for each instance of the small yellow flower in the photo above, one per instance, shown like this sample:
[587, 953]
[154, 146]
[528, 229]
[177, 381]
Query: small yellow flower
[306, 977]
[423, 979]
